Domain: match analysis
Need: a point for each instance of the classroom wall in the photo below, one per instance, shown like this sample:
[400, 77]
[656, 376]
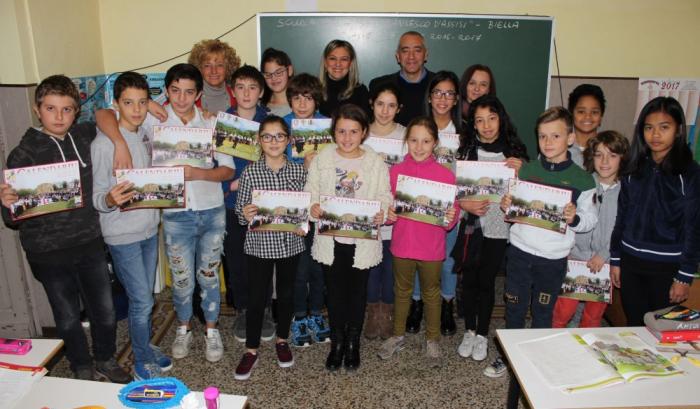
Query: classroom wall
[67, 37]
[17, 65]
[621, 38]
[43, 37]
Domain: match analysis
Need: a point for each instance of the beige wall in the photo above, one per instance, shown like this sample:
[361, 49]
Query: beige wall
[17, 65]
[67, 37]
[618, 38]
[44, 37]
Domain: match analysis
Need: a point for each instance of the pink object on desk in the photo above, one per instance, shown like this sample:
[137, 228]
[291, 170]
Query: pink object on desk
[211, 397]
[15, 346]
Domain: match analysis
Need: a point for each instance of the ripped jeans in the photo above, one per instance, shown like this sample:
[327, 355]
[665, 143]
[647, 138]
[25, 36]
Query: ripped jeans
[531, 282]
[194, 240]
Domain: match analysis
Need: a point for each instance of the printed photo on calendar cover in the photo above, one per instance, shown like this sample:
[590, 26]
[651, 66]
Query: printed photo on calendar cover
[582, 284]
[280, 210]
[423, 200]
[45, 189]
[346, 217]
[537, 205]
[155, 188]
[446, 150]
[310, 135]
[391, 150]
[479, 180]
[236, 136]
[181, 145]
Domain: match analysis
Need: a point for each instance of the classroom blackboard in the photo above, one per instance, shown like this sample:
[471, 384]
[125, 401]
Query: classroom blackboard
[517, 48]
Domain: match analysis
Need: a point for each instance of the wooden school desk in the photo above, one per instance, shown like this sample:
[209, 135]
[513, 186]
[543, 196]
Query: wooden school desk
[676, 392]
[41, 353]
[64, 393]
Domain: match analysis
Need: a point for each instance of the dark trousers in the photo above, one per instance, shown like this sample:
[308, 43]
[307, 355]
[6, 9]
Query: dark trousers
[309, 286]
[65, 280]
[347, 290]
[235, 262]
[479, 281]
[260, 279]
[644, 286]
[532, 282]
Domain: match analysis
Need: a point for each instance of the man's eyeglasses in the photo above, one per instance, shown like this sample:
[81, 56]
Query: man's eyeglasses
[438, 94]
[268, 137]
[276, 73]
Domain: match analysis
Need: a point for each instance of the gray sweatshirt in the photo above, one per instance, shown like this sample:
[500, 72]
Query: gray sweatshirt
[120, 227]
[597, 241]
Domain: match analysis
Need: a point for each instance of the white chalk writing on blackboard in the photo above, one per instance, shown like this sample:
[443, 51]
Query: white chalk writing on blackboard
[503, 24]
[294, 22]
[448, 23]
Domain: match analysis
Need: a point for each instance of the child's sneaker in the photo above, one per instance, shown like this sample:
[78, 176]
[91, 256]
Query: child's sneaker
[148, 370]
[481, 348]
[496, 369]
[245, 367]
[214, 347]
[432, 349]
[320, 331]
[467, 346]
[391, 346]
[284, 355]
[300, 333]
[163, 361]
[181, 344]
[111, 370]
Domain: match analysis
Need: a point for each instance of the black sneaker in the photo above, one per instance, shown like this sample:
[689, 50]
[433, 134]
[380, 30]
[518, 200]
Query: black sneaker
[112, 371]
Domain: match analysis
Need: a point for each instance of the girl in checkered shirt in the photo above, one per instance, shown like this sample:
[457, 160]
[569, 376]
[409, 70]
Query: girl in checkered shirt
[269, 251]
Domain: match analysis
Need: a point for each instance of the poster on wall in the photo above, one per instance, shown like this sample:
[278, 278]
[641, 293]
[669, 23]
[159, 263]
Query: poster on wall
[96, 92]
[686, 91]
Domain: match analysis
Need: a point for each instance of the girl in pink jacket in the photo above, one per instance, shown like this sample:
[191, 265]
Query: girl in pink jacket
[418, 246]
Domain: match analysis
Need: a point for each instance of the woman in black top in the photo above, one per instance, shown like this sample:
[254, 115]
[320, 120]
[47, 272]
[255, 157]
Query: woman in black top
[340, 78]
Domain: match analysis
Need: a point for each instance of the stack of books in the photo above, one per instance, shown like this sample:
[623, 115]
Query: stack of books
[676, 328]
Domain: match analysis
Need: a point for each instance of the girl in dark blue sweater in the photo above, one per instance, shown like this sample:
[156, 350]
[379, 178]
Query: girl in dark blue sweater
[655, 245]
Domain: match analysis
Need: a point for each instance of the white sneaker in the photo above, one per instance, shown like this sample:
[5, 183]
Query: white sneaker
[465, 348]
[496, 369]
[481, 348]
[215, 348]
[181, 344]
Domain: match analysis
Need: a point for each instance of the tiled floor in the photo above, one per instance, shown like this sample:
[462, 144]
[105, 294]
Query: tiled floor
[402, 382]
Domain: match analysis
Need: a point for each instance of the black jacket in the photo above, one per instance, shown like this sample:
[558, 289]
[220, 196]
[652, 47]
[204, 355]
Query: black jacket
[658, 218]
[63, 230]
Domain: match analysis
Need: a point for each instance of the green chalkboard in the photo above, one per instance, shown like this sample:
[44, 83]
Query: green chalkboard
[517, 48]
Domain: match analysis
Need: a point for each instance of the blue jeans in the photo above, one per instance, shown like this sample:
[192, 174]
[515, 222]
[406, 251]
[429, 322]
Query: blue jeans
[135, 265]
[309, 284]
[380, 286]
[448, 279]
[531, 282]
[194, 240]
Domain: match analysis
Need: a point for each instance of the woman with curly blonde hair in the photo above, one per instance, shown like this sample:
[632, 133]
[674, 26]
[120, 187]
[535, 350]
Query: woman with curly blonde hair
[216, 61]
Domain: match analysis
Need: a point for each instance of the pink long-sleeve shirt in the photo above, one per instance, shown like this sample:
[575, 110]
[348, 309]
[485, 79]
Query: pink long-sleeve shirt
[412, 239]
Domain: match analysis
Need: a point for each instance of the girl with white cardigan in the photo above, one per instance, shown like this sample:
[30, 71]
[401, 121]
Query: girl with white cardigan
[347, 169]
